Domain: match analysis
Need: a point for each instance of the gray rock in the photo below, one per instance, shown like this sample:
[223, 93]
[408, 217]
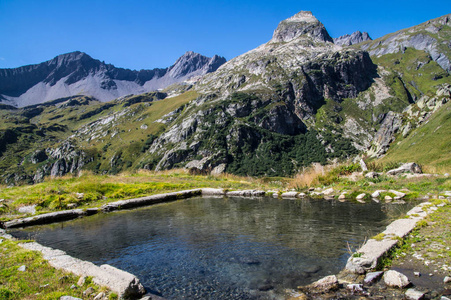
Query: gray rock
[363, 165]
[388, 198]
[123, 283]
[406, 168]
[360, 196]
[325, 284]
[398, 195]
[355, 38]
[88, 291]
[447, 279]
[413, 294]
[342, 196]
[355, 287]
[46, 218]
[30, 209]
[69, 298]
[395, 279]
[290, 195]
[417, 274]
[22, 268]
[376, 194]
[99, 296]
[81, 281]
[372, 175]
[372, 277]
[73, 287]
[386, 134]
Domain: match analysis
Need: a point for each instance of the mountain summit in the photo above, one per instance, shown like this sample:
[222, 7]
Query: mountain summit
[78, 73]
[301, 24]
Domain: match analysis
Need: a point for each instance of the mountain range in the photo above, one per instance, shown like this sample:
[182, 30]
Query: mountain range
[77, 73]
[301, 98]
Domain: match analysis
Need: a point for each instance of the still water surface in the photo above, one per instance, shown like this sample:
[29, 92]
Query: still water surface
[222, 248]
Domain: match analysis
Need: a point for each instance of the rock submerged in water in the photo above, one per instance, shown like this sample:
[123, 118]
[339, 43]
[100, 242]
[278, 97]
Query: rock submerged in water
[324, 285]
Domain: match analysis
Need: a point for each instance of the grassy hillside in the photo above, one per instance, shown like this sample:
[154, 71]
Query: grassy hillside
[428, 145]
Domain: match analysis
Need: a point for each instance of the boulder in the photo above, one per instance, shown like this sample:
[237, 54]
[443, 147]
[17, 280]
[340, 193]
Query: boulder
[406, 168]
[360, 196]
[372, 175]
[324, 285]
[397, 194]
[396, 279]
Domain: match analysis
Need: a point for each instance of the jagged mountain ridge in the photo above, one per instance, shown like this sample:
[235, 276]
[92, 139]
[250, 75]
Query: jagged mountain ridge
[78, 73]
[352, 39]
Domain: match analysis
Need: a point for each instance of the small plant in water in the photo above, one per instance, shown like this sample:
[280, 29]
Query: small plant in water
[357, 254]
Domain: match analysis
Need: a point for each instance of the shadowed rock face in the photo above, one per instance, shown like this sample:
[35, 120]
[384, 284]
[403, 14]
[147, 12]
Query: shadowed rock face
[74, 73]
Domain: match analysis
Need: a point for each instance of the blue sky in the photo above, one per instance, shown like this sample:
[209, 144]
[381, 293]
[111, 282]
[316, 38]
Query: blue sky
[139, 34]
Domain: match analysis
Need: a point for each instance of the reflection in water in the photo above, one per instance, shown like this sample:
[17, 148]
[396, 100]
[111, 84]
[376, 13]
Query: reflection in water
[222, 248]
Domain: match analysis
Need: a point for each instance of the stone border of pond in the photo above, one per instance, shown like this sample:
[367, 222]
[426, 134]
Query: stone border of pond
[66, 215]
[127, 285]
[365, 260]
[368, 256]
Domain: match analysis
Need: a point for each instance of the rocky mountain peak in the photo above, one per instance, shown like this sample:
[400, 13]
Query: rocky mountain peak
[354, 38]
[193, 63]
[301, 24]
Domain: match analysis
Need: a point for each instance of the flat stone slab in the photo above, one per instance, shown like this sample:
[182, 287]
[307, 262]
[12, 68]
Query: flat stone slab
[45, 218]
[246, 193]
[212, 192]
[290, 195]
[373, 250]
[154, 199]
[123, 283]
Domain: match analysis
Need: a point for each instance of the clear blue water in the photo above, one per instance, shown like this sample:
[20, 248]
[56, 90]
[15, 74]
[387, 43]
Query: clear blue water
[222, 248]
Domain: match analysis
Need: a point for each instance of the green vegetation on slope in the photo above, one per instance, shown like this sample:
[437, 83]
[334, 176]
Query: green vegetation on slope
[429, 144]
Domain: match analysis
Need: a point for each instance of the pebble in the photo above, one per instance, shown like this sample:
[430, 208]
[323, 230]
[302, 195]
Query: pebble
[447, 279]
[99, 296]
[417, 274]
[413, 294]
[88, 291]
[22, 268]
[81, 281]
[355, 287]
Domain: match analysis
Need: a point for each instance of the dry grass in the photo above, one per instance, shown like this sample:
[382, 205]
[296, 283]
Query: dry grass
[310, 176]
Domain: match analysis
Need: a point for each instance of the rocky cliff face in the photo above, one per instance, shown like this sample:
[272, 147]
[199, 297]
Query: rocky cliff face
[432, 37]
[355, 38]
[271, 91]
[77, 73]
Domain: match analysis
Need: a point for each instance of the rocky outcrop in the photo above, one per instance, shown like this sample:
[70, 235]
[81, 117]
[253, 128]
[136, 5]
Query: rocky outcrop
[386, 134]
[412, 117]
[431, 36]
[78, 73]
[355, 38]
